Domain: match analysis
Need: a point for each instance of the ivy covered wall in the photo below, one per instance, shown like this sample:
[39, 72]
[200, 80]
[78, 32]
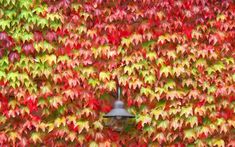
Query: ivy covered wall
[174, 59]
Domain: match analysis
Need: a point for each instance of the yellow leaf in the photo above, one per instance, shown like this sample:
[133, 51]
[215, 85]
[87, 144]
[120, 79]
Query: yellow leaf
[36, 137]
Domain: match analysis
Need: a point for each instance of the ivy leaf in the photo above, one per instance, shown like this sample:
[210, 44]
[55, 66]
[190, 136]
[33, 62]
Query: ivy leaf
[93, 144]
[111, 85]
[186, 111]
[42, 22]
[13, 103]
[126, 42]
[163, 125]
[25, 4]
[93, 82]
[170, 84]
[36, 137]
[218, 142]
[103, 76]
[144, 119]
[129, 70]
[5, 24]
[12, 76]
[150, 79]
[82, 125]
[146, 91]
[189, 134]
[192, 121]
[98, 125]
[166, 70]
[219, 66]
[159, 112]
[13, 136]
[71, 136]
[2, 75]
[160, 137]
[60, 121]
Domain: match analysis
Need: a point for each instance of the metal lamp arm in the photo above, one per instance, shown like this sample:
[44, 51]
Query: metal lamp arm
[119, 93]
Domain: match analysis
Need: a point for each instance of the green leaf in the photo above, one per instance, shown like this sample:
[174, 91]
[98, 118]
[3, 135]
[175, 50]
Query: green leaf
[210, 70]
[163, 124]
[126, 42]
[10, 14]
[26, 37]
[145, 91]
[170, 84]
[166, 70]
[189, 134]
[60, 121]
[42, 22]
[87, 71]
[103, 76]
[229, 60]
[211, 90]
[55, 25]
[148, 43]
[129, 70]
[150, 79]
[192, 121]
[24, 110]
[24, 14]
[36, 137]
[2, 119]
[63, 59]
[160, 61]
[98, 125]
[13, 104]
[4, 24]
[219, 66]
[158, 112]
[144, 119]
[2, 75]
[12, 136]
[25, 3]
[93, 144]
[151, 56]
[54, 16]
[233, 77]
[186, 111]
[82, 125]
[13, 76]
[201, 62]
[93, 82]
[38, 10]
[111, 85]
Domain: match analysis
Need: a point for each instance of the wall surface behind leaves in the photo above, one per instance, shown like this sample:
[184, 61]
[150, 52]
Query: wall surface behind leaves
[60, 59]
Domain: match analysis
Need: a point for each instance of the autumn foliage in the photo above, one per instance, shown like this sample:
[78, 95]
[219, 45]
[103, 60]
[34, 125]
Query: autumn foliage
[60, 60]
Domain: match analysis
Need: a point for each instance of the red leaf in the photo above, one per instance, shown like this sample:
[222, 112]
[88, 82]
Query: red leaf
[32, 105]
[1, 52]
[139, 125]
[38, 36]
[13, 56]
[187, 30]
[3, 104]
[3, 36]
[28, 49]
[106, 108]
[124, 33]
[201, 103]
[94, 104]
[51, 36]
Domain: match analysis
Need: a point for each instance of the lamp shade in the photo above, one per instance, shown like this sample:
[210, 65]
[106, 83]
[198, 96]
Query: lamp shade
[118, 111]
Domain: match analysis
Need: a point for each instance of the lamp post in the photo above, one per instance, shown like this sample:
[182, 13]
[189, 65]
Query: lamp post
[118, 115]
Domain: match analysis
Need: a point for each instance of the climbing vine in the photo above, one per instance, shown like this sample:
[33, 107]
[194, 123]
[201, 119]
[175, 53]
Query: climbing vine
[175, 61]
